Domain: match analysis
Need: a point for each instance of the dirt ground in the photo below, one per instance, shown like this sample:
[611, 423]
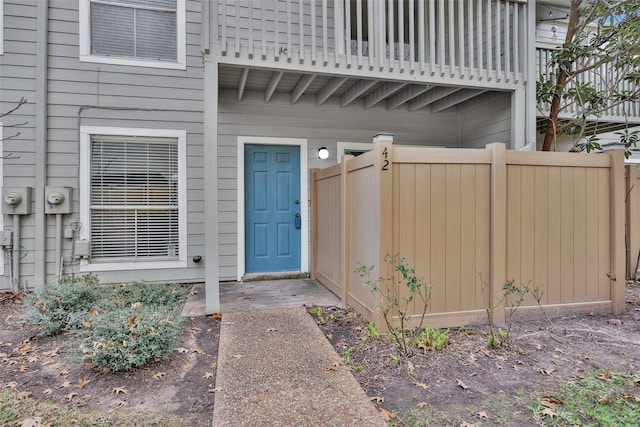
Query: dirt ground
[180, 391]
[173, 392]
[465, 379]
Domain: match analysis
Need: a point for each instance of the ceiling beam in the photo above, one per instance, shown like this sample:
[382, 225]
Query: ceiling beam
[302, 85]
[273, 84]
[243, 82]
[355, 91]
[382, 93]
[407, 95]
[455, 99]
[329, 88]
[431, 97]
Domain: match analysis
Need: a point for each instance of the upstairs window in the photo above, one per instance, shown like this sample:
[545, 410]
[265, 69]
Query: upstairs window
[133, 32]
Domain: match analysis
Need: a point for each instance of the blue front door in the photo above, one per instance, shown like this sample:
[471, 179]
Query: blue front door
[272, 208]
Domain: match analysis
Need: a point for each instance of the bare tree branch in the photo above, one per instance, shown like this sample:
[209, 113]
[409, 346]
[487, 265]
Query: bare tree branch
[14, 109]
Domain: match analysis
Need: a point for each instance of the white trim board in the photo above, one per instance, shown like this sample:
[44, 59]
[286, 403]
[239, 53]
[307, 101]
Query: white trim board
[304, 197]
[85, 153]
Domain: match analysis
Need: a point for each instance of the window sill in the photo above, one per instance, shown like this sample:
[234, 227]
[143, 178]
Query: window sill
[133, 62]
[86, 267]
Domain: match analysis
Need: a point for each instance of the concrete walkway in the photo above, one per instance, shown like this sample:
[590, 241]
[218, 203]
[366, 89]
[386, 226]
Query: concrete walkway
[276, 368]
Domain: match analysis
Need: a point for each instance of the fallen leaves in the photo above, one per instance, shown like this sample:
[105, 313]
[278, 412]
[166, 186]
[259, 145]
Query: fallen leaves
[548, 412]
[386, 415]
[32, 422]
[119, 390]
[82, 382]
[482, 415]
[24, 395]
[23, 348]
[549, 401]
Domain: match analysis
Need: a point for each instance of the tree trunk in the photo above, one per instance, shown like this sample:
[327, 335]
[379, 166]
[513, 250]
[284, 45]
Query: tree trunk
[552, 123]
[561, 81]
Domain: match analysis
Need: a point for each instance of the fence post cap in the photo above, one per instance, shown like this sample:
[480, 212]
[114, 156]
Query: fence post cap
[380, 137]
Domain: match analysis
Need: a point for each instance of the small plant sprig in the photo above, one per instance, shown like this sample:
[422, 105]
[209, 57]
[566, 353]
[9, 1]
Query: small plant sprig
[512, 298]
[370, 333]
[391, 291]
[318, 313]
[432, 339]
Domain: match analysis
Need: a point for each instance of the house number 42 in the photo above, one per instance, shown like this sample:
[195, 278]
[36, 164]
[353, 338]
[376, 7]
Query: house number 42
[385, 161]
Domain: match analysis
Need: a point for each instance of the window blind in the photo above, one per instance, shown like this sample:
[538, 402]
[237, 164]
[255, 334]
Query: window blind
[134, 197]
[134, 28]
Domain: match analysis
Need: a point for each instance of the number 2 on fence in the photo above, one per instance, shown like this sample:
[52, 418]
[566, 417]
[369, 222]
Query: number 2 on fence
[385, 162]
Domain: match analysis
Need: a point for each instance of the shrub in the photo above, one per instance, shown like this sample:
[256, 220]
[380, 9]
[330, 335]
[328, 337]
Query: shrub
[130, 337]
[148, 294]
[63, 306]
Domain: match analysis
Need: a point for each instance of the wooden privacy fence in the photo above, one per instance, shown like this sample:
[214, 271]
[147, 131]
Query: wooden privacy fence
[633, 221]
[469, 220]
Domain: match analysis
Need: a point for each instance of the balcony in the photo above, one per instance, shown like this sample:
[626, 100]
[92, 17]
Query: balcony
[617, 116]
[479, 44]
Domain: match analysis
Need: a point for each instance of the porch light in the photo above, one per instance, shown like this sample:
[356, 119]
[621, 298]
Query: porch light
[323, 153]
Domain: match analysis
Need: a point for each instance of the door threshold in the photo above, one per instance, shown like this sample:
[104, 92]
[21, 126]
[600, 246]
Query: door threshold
[256, 277]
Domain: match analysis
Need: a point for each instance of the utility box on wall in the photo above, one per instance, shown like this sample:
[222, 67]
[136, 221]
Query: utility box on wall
[58, 200]
[16, 200]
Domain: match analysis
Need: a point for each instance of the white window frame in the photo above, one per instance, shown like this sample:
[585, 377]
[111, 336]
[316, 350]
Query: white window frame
[85, 42]
[85, 192]
[304, 197]
[1, 27]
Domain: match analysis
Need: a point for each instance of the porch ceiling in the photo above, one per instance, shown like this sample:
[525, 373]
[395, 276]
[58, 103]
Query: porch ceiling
[348, 89]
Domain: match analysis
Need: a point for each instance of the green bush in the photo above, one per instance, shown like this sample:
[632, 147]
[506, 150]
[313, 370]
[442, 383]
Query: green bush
[130, 337]
[148, 294]
[63, 306]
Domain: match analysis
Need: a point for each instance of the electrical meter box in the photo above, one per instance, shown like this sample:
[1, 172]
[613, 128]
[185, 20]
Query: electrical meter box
[58, 200]
[16, 200]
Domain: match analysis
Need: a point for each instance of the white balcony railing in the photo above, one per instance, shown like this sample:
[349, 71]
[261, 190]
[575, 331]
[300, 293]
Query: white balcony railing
[482, 39]
[602, 78]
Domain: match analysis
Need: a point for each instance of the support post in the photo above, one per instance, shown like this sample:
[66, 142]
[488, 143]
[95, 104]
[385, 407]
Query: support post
[314, 223]
[617, 276]
[345, 247]
[498, 251]
[212, 294]
[383, 146]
